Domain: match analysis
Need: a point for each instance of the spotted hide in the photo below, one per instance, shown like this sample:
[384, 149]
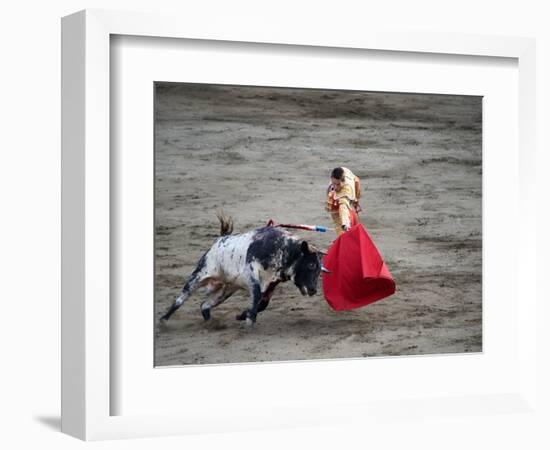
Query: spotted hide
[256, 261]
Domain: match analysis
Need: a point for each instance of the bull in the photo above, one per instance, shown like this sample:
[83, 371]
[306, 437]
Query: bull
[256, 261]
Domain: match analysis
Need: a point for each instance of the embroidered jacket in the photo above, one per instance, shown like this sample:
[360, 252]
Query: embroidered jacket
[339, 203]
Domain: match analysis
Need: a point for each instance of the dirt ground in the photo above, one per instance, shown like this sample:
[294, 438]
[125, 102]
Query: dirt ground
[261, 153]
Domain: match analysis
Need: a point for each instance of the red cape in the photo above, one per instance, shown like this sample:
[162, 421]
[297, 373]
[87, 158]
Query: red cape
[358, 275]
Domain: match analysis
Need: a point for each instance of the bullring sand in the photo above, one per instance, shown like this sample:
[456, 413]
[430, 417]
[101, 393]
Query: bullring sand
[261, 153]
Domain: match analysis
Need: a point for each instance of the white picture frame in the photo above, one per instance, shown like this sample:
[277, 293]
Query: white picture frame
[86, 222]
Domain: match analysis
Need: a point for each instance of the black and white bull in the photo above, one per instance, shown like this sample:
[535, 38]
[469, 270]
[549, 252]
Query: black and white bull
[256, 261]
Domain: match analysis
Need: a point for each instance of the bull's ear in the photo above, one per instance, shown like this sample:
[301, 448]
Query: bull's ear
[305, 248]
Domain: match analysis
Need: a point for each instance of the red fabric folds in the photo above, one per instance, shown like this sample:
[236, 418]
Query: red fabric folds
[358, 275]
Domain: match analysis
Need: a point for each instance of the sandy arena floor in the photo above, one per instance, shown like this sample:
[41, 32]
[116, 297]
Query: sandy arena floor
[260, 153]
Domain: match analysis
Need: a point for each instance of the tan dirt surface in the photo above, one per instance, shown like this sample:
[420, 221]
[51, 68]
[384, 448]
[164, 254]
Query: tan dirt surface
[261, 153]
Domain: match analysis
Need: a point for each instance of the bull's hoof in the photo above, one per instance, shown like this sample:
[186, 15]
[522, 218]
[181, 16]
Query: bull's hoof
[241, 316]
[205, 313]
[250, 318]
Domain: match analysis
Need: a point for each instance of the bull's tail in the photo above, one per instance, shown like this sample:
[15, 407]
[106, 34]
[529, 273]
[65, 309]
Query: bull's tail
[226, 224]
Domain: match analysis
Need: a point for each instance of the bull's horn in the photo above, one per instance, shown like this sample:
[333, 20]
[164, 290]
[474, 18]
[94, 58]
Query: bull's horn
[324, 269]
[316, 250]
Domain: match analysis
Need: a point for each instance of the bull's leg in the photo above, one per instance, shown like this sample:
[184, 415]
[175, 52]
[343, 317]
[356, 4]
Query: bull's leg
[255, 297]
[264, 301]
[196, 279]
[192, 285]
[263, 304]
[221, 296]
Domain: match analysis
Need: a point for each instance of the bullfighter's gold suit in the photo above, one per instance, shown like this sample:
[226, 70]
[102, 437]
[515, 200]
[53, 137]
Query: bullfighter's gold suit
[343, 204]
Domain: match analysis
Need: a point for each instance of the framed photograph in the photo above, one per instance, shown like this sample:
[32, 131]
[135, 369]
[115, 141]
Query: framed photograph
[199, 168]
